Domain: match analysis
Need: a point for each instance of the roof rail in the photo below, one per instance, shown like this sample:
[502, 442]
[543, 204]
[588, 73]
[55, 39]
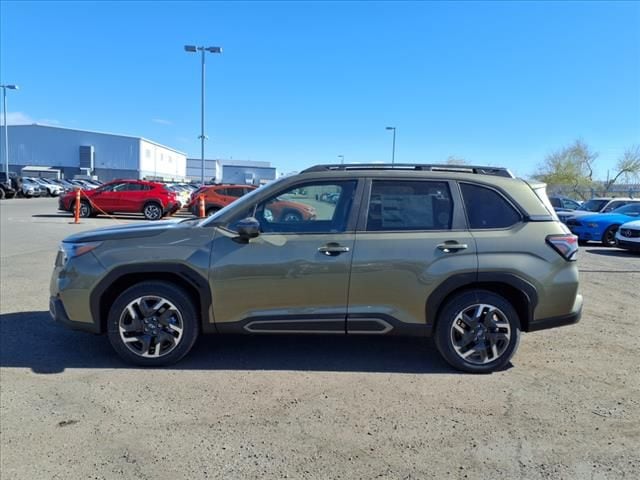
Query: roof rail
[428, 167]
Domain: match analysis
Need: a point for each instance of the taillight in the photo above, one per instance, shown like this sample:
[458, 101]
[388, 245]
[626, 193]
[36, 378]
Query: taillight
[566, 245]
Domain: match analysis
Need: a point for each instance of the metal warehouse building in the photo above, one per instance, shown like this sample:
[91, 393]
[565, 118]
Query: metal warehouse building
[244, 172]
[80, 152]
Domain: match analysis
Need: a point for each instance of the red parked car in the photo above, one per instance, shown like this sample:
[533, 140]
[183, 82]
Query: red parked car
[153, 200]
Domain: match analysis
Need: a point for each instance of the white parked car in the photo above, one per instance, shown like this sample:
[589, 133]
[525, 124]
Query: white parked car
[49, 188]
[182, 193]
[628, 236]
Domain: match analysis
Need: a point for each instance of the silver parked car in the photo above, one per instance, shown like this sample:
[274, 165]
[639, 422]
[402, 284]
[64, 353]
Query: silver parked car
[30, 188]
[47, 187]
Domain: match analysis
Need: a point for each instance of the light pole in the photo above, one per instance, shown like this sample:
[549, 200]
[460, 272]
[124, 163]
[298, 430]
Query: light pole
[6, 130]
[393, 149]
[194, 49]
[341, 157]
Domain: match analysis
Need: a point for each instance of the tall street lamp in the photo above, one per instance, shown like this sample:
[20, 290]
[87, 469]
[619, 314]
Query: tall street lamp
[204, 50]
[341, 157]
[393, 149]
[6, 130]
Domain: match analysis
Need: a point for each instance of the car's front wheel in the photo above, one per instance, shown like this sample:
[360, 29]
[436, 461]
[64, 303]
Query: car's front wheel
[609, 236]
[153, 324]
[478, 331]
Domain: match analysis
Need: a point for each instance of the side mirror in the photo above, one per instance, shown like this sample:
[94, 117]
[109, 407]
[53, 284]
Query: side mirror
[247, 228]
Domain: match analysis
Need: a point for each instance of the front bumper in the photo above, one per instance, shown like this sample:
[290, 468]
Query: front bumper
[59, 314]
[628, 245]
[559, 321]
[62, 205]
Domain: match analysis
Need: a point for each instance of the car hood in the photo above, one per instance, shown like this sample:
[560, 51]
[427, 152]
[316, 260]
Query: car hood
[606, 218]
[133, 230]
[631, 224]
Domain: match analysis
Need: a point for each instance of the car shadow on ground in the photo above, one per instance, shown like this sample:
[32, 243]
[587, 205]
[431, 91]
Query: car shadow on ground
[612, 252]
[32, 340]
[119, 216]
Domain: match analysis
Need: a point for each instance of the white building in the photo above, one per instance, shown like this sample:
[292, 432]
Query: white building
[82, 152]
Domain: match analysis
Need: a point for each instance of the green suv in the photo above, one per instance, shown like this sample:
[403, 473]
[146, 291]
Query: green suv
[470, 256]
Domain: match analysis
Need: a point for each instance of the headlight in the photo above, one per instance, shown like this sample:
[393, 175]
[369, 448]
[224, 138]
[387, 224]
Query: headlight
[592, 225]
[68, 251]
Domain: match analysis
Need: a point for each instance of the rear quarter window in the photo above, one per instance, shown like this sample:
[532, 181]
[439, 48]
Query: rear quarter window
[486, 208]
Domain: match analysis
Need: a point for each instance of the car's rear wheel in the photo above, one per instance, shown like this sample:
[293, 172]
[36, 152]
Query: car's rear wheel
[609, 236]
[212, 211]
[152, 211]
[153, 324]
[477, 331]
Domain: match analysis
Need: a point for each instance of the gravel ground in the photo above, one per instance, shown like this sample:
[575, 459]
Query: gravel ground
[311, 408]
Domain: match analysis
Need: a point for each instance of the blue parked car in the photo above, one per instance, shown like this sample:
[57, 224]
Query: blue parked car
[602, 227]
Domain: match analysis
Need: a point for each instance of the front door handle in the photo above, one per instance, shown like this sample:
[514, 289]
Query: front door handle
[333, 249]
[448, 247]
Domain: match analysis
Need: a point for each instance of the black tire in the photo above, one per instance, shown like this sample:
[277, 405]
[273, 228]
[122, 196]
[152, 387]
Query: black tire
[447, 335]
[609, 236]
[174, 296]
[152, 211]
[211, 211]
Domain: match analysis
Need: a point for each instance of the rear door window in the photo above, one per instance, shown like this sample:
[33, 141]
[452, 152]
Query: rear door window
[486, 208]
[235, 191]
[409, 206]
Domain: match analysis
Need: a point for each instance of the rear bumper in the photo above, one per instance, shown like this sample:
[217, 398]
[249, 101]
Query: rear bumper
[586, 234]
[560, 321]
[59, 314]
[172, 207]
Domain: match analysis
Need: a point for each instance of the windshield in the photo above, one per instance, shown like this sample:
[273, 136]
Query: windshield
[593, 205]
[631, 209]
[241, 203]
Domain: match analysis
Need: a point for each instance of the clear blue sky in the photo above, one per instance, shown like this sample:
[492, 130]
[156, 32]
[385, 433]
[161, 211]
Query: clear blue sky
[300, 83]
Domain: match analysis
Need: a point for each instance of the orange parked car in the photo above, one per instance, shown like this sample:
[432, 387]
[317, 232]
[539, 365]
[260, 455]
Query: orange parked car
[217, 197]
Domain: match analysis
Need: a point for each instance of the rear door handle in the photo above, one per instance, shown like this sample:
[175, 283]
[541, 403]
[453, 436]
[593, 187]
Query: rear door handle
[332, 249]
[448, 247]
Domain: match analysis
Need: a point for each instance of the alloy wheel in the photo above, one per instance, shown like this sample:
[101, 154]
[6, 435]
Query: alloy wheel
[152, 212]
[151, 326]
[480, 334]
[85, 209]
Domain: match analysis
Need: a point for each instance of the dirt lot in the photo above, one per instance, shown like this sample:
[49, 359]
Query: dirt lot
[266, 407]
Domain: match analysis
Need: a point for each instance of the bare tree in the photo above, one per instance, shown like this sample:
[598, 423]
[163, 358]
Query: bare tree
[570, 166]
[453, 160]
[627, 167]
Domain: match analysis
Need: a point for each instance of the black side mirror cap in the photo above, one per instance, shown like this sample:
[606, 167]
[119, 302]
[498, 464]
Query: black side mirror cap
[247, 229]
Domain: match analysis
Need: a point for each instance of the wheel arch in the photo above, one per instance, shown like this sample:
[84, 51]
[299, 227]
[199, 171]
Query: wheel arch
[520, 293]
[208, 205]
[157, 201]
[121, 278]
[614, 227]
